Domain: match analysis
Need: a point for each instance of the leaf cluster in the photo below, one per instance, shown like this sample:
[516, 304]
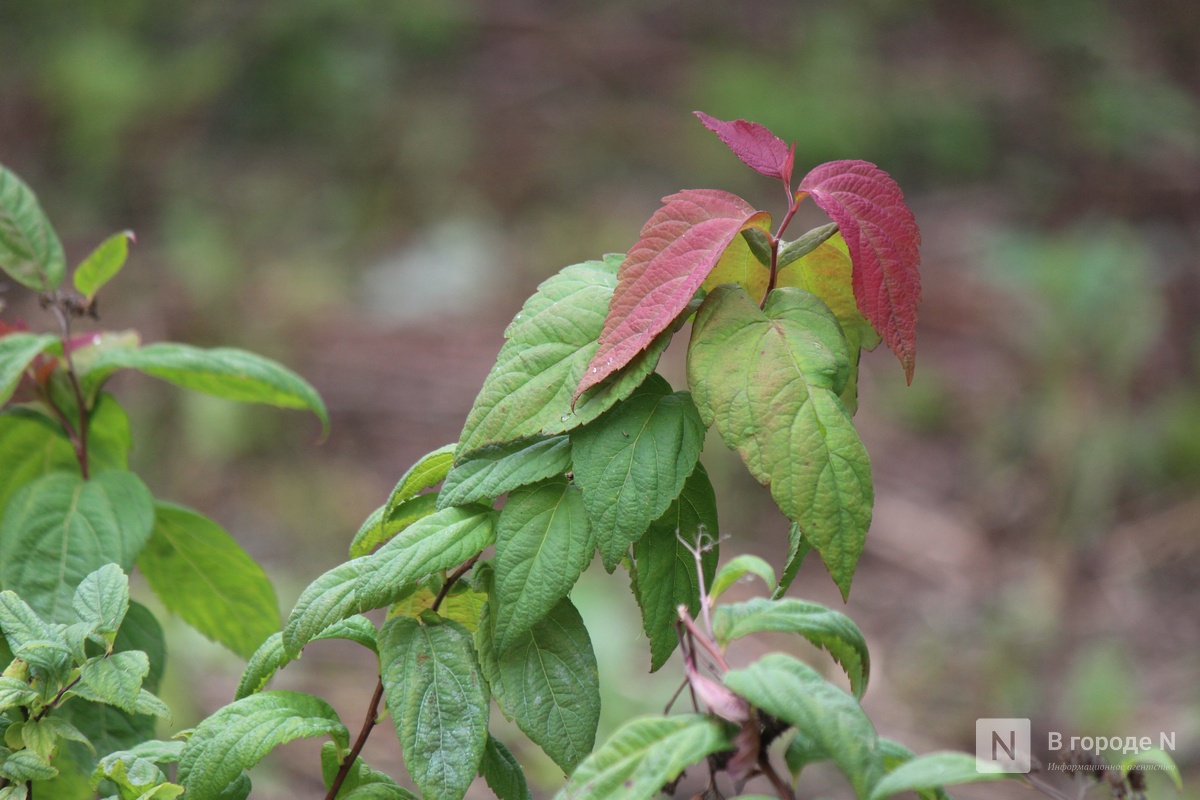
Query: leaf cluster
[576, 447]
[61, 677]
[74, 520]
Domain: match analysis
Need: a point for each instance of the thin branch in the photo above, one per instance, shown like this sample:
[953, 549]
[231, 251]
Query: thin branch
[368, 725]
[781, 788]
[683, 684]
[454, 577]
[54, 703]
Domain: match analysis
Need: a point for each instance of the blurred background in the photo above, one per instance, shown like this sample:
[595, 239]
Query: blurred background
[368, 191]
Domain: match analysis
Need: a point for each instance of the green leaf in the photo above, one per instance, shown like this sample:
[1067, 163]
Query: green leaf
[324, 602]
[738, 568]
[665, 573]
[377, 529]
[224, 372]
[549, 344]
[543, 545]
[741, 265]
[796, 694]
[492, 471]
[270, 657]
[425, 474]
[102, 264]
[790, 252]
[935, 770]
[824, 269]
[202, 574]
[17, 350]
[21, 624]
[1154, 756]
[440, 541]
[102, 600]
[237, 736]
[30, 251]
[26, 765]
[547, 682]
[108, 728]
[32, 445]
[798, 548]
[437, 542]
[42, 735]
[158, 751]
[462, 604]
[115, 680]
[60, 527]
[135, 777]
[439, 702]
[769, 380]
[825, 628]
[502, 772]
[141, 631]
[14, 693]
[644, 755]
[632, 463]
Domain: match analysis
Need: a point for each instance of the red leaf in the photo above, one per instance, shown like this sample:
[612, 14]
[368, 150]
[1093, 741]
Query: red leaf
[757, 147]
[679, 246]
[883, 238]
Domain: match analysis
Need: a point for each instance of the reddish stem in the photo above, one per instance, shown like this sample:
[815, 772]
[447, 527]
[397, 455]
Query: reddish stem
[368, 725]
[776, 241]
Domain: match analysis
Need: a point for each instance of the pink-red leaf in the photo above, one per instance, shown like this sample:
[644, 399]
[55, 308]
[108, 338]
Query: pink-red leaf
[755, 145]
[883, 239]
[678, 247]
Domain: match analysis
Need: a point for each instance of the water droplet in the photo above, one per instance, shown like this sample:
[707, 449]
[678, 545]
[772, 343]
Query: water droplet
[564, 418]
[595, 369]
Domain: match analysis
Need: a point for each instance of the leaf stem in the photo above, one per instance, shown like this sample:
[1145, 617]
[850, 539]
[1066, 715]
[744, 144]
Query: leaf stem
[377, 697]
[777, 242]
